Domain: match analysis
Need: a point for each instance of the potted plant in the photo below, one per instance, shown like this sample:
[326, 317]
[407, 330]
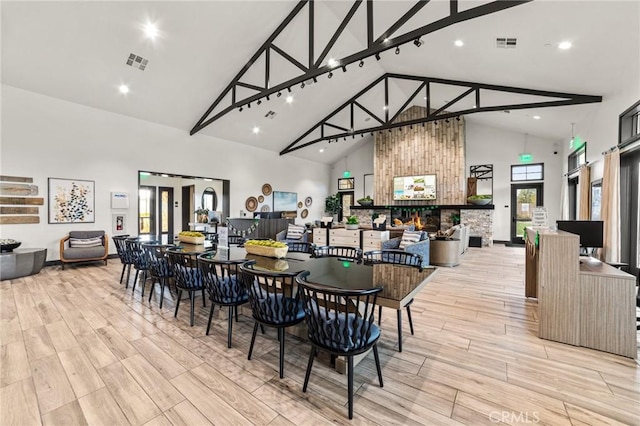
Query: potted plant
[332, 204]
[352, 223]
[366, 201]
[203, 215]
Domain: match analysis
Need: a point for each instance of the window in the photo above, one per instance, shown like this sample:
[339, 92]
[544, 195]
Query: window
[527, 172]
[578, 158]
[346, 184]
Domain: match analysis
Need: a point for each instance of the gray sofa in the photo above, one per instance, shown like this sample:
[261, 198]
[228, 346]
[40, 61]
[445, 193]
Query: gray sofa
[84, 246]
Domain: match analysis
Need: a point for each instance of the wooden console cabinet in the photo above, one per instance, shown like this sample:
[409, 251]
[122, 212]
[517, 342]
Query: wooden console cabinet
[581, 301]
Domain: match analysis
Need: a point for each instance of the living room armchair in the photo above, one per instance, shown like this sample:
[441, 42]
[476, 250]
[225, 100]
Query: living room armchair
[420, 247]
[84, 246]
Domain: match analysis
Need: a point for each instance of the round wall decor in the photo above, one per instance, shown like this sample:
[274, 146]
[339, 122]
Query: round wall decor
[304, 213]
[260, 198]
[299, 204]
[251, 204]
[265, 208]
[308, 201]
[266, 189]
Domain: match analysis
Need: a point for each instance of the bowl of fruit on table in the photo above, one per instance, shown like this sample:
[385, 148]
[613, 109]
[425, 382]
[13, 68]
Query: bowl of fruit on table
[268, 248]
[191, 237]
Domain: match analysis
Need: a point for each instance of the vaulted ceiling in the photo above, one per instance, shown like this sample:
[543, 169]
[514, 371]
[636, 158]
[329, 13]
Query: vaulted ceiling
[77, 51]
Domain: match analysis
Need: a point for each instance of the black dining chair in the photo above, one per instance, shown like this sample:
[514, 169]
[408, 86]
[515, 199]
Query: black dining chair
[222, 281]
[140, 260]
[274, 301]
[237, 240]
[340, 322]
[121, 249]
[300, 247]
[352, 253]
[187, 277]
[398, 257]
[159, 267]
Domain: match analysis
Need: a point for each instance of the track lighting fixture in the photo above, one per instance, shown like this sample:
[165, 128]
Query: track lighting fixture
[378, 56]
[259, 101]
[315, 80]
[389, 130]
[446, 121]
[362, 135]
[249, 105]
[240, 109]
[302, 85]
[289, 89]
[411, 127]
[268, 97]
[344, 69]
[330, 75]
[279, 94]
[344, 138]
[417, 42]
[361, 64]
[398, 50]
[436, 122]
[458, 118]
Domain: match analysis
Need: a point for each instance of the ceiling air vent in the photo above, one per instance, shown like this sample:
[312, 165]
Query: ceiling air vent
[506, 43]
[270, 114]
[137, 61]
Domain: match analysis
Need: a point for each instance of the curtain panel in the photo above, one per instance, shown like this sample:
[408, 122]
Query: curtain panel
[611, 207]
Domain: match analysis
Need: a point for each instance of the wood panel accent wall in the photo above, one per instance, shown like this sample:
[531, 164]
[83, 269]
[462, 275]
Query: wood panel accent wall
[21, 193]
[430, 149]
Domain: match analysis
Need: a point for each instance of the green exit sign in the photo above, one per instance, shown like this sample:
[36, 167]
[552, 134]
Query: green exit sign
[346, 173]
[526, 158]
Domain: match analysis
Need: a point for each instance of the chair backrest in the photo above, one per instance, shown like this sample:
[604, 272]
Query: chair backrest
[235, 239]
[300, 247]
[338, 251]
[222, 279]
[273, 296]
[118, 240]
[134, 251]
[341, 321]
[398, 257]
[185, 269]
[156, 255]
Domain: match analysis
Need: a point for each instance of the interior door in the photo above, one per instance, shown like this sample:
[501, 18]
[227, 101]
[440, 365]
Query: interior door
[630, 210]
[165, 214]
[525, 197]
[146, 210]
[346, 201]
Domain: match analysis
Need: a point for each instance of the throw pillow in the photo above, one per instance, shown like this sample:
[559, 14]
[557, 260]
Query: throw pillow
[295, 232]
[409, 237]
[85, 242]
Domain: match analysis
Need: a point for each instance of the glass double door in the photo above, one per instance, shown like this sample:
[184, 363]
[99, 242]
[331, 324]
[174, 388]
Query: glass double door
[525, 197]
[156, 217]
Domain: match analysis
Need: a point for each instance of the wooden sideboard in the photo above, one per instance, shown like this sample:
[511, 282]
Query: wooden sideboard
[366, 239]
[581, 300]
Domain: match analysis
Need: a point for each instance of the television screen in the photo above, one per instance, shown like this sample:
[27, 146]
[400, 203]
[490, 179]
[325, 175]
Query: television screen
[285, 201]
[414, 187]
[590, 231]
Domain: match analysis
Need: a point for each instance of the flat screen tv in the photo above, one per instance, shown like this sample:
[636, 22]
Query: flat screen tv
[421, 187]
[590, 231]
[285, 201]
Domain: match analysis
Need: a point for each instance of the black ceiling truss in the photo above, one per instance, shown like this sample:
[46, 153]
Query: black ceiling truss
[314, 68]
[442, 113]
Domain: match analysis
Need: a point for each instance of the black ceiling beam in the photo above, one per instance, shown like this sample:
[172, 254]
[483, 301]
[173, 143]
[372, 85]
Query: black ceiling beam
[373, 48]
[561, 99]
[403, 20]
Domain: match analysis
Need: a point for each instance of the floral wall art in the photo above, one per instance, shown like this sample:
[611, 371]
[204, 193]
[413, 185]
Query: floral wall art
[71, 201]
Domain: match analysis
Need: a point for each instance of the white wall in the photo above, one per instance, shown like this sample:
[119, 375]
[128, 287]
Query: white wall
[45, 137]
[359, 162]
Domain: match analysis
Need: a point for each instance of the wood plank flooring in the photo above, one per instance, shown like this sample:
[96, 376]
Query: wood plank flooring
[77, 348]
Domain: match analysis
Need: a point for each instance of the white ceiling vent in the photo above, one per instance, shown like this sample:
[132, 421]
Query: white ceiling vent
[270, 114]
[506, 43]
[137, 61]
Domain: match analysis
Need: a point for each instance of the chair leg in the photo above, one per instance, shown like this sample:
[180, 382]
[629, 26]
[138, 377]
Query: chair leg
[124, 266]
[193, 307]
[262, 328]
[253, 339]
[230, 326]
[126, 284]
[235, 308]
[143, 277]
[377, 359]
[409, 315]
[379, 314]
[399, 330]
[135, 279]
[312, 355]
[204, 299]
[162, 284]
[281, 338]
[213, 305]
[153, 286]
[350, 384]
[177, 303]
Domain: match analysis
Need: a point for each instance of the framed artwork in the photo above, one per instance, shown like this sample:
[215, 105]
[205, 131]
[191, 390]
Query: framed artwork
[71, 201]
[119, 224]
[346, 184]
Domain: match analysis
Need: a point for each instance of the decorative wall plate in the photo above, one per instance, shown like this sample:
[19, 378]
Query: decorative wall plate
[308, 201]
[299, 204]
[251, 204]
[266, 189]
[265, 208]
[260, 198]
[304, 213]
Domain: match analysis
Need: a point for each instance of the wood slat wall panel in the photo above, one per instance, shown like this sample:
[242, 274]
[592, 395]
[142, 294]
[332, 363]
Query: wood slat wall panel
[21, 201]
[18, 189]
[15, 179]
[18, 210]
[12, 220]
[430, 149]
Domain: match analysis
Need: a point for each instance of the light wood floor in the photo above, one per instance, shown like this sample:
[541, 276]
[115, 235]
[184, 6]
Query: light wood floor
[77, 348]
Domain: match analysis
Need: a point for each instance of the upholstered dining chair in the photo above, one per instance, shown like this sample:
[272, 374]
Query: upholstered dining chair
[340, 322]
[118, 241]
[274, 302]
[159, 267]
[187, 277]
[222, 281]
[345, 252]
[398, 257]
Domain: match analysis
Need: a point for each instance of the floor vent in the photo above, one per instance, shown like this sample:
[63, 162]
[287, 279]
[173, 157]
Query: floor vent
[506, 43]
[137, 61]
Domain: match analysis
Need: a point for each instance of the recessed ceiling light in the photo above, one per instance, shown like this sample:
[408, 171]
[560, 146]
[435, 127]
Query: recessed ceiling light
[332, 63]
[321, 150]
[564, 45]
[150, 30]
[256, 130]
[164, 175]
[124, 89]
[289, 99]
[459, 43]
[424, 97]
[386, 40]
[536, 117]
[385, 107]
